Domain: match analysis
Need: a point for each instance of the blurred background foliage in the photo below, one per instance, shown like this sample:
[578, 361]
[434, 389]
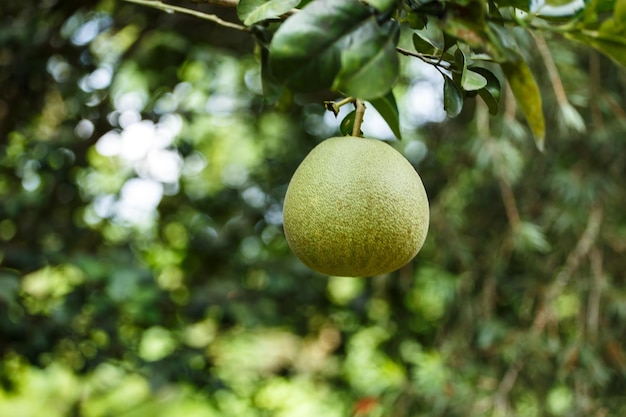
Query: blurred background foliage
[143, 269]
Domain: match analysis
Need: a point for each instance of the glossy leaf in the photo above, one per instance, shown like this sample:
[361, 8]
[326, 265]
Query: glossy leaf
[472, 81]
[452, 97]
[347, 124]
[370, 63]
[434, 36]
[491, 92]
[528, 96]
[305, 52]
[448, 41]
[339, 45]
[469, 80]
[388, 109]
[422, 45]
[459, 60]
[253, 11]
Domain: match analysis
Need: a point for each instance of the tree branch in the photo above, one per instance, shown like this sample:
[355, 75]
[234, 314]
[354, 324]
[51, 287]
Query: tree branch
[506, 385]
[570, 116]
[429, 59]
[553, 72]
[581, 250]
[169, 8]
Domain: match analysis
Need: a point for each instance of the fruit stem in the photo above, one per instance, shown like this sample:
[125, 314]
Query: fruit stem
[358, 117]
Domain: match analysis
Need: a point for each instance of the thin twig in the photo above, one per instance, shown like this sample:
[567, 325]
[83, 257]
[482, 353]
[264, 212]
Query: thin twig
[553, 72]
[234, 3]
[570, 117]
[157, 4]
[510, 206]
[429, 59]
[510, 105]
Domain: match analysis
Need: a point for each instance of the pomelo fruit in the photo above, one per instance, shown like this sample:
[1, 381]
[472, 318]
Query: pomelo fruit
[355, 207]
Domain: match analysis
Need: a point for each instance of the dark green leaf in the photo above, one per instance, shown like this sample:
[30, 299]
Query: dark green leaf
[416, 20]
[491, 92]
[528, 96]
[452, 97]
[459, 60]
[339, 45]
[422, 45]
[433, 35]
[347, 124]
[369, 63]
[388, 109]
[448, 41]
[305, 52]
[253, 11]
[467, 79]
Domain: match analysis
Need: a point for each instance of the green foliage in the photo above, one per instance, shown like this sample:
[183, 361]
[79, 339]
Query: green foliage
[253, 11]
[143, 268]
[352, 49]
[526, 91]
[336, 44]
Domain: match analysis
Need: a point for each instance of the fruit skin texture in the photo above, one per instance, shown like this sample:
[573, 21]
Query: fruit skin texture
[355, 207]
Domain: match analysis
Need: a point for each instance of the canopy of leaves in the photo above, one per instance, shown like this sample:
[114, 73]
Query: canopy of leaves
[143, 269]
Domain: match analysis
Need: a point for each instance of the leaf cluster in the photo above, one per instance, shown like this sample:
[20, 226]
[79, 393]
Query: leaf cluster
[351, 47]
